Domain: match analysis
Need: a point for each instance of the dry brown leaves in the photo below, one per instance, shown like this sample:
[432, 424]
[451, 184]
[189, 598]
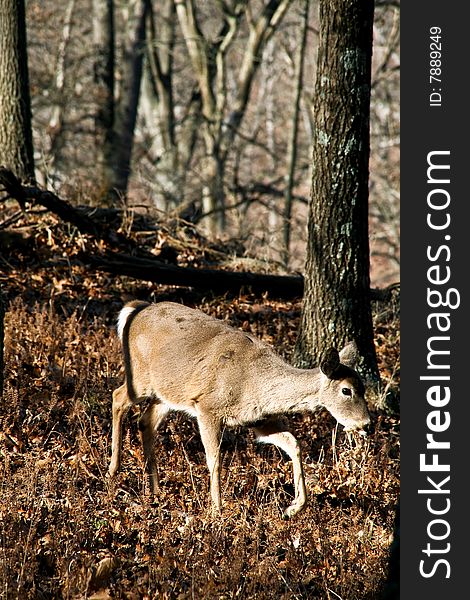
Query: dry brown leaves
[67, 532]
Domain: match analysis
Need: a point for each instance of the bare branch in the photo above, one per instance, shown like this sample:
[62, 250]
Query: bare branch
[260, 32]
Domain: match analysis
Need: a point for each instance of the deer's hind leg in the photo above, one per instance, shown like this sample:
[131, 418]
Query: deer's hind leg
[149, 422]
[121, 405]
[275, 431]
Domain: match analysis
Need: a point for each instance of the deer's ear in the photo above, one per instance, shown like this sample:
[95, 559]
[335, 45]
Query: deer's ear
[330, 362]
[349, 355]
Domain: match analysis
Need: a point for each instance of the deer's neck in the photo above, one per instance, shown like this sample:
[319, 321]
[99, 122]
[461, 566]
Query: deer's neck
[292, 390]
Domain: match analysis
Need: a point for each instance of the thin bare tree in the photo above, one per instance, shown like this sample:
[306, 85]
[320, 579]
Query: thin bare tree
[221, 117]
[104, 82]
[292, 147]
[125, 114]
[56, 119]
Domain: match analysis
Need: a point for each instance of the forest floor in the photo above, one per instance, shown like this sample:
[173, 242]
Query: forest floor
[67, 532]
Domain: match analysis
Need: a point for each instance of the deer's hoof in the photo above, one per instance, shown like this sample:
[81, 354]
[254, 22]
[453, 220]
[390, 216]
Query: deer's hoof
[292, 510]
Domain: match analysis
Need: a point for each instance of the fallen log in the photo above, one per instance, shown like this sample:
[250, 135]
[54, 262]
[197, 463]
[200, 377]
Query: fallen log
[217, 281]
[61, 208]
[154, 270]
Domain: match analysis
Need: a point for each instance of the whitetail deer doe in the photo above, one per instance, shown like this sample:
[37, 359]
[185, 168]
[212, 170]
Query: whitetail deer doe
[178, 358]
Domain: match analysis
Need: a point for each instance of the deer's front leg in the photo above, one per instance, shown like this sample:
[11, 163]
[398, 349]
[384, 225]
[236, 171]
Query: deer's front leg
[209, 429]
[274, 432]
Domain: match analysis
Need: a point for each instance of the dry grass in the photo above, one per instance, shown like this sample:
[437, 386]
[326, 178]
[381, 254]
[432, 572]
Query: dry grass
[67, 533]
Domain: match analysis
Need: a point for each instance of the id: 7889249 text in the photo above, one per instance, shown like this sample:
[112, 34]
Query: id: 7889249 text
[435, 66]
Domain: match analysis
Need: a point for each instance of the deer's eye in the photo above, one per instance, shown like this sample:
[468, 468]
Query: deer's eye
[346, 391]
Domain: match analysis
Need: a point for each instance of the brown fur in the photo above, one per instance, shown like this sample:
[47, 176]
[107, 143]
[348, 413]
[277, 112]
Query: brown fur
[179, 358]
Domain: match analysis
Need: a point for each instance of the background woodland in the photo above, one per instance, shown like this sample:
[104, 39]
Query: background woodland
[173, 161]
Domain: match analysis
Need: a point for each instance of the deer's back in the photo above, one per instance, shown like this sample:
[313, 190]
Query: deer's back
[185, 357]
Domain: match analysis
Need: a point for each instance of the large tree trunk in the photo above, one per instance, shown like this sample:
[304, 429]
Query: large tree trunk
[336, 300]
[16, 142]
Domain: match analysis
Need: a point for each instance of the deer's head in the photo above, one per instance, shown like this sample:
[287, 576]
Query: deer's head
[342, 390]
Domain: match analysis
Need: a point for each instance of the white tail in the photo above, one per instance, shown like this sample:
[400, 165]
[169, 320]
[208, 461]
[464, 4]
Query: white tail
[179, 358]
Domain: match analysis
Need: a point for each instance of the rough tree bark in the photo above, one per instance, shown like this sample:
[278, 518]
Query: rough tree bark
[16, 141]
[336, 304]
